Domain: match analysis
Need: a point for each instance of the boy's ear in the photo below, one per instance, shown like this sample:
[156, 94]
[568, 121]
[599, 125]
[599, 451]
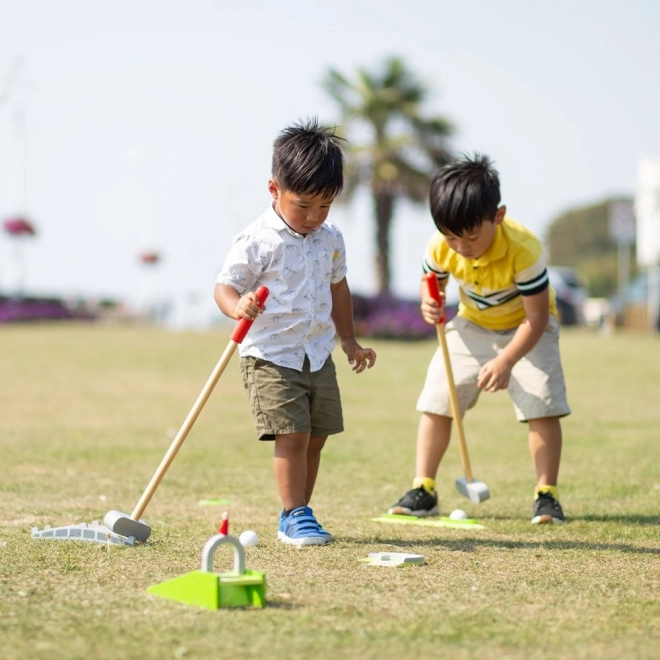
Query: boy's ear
[273, 188]
[499, 215]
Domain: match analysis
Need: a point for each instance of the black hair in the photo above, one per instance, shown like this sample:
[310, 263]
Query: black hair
[464, 193]
[308, 159]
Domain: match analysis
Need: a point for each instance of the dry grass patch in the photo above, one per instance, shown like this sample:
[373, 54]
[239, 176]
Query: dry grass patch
[88, 412]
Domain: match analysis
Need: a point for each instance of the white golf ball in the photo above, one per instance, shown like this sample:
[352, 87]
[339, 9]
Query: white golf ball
[458, 514]
[248, 538]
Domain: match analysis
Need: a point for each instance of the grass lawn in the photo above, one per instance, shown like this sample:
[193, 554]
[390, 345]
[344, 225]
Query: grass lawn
[89, 411]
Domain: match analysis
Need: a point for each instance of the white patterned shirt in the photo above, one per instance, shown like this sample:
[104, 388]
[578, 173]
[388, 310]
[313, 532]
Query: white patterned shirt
[298, 271]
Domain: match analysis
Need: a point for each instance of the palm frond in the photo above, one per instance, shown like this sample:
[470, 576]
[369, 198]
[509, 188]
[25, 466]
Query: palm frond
[395, 149]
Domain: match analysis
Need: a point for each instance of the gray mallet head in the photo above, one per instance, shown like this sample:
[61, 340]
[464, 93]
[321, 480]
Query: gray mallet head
[122, 524]
[475, 491]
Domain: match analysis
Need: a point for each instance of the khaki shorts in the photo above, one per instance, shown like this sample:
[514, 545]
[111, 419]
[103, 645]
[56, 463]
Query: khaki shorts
[536, 388]
[284, 400]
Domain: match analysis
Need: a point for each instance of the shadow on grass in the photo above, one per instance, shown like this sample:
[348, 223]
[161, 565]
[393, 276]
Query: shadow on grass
[627, 519]
[280, 605]
[472, 544]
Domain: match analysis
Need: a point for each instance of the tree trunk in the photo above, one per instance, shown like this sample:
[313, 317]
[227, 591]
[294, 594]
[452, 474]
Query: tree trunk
[384, 210]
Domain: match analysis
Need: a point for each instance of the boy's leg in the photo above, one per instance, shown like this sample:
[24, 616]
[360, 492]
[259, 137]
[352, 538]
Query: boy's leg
[545, 444]
[538, 392]
[280, 402]
[469, 346]
[316, 444]
[433, 434]
[296, 461]
[290, 465]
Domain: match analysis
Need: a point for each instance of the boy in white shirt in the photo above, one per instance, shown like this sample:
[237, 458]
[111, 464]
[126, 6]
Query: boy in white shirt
[286, 358]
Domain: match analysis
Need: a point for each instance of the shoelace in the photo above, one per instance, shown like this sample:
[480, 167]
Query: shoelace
[420, 494]
[547, 497]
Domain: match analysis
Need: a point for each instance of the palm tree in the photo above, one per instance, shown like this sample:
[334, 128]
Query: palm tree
[402, 148]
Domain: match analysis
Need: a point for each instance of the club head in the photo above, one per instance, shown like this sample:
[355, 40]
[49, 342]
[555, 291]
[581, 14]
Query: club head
[122, 524]
[475, 491]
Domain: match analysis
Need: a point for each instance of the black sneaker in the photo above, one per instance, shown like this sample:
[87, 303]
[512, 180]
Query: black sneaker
[546, 510]
[417, 502]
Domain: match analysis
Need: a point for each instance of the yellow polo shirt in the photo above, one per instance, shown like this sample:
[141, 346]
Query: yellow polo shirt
[491, 287]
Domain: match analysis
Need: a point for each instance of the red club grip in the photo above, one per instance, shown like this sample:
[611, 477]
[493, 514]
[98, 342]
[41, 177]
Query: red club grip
[434, 292]
[244, 324]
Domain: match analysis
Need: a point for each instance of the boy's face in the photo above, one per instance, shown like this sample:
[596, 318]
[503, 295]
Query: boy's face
[303, 213]
[474, 243]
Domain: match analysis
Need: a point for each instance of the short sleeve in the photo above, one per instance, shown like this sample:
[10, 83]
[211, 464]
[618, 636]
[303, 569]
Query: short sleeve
[532, 278]
[242, 265]
[339, 266]
[432, 260]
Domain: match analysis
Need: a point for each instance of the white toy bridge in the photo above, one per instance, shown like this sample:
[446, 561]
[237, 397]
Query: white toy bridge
[95, 532]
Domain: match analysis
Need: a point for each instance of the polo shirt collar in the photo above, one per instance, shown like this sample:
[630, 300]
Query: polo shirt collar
[497, 248]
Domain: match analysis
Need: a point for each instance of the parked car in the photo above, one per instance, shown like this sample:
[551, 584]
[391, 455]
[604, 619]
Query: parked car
[637, 307]
[571, 292]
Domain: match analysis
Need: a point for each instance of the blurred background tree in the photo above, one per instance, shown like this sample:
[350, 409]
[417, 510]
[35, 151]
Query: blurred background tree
[392, 150]
[581, 238]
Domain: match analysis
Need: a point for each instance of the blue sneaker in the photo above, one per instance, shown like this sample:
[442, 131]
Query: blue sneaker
[300, 527]
[281, 532]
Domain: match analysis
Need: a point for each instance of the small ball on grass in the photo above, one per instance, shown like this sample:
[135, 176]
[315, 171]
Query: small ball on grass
[458, 514]
[248, 538]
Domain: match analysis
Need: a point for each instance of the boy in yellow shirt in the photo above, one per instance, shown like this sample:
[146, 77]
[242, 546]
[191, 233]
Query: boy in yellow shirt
[505, 335]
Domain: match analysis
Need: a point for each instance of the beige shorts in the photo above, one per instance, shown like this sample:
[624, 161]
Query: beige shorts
[536, 388]
[284, 400]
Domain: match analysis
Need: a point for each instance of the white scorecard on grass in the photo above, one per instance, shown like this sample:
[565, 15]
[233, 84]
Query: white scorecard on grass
[248, 538]
[393, 559]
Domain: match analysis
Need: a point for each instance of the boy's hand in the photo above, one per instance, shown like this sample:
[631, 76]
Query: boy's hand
[247, 307]
[360, 358]
[495, 375]
[433, 312]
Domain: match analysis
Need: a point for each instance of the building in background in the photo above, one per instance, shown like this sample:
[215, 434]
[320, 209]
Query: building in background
[647, 213]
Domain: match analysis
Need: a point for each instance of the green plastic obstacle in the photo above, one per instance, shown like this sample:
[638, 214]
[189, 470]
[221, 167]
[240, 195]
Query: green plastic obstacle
[241, 587]
[399, 519]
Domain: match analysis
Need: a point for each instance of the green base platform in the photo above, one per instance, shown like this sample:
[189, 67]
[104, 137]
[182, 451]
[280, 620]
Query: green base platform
[213, 590]
[398, 519]
[204, 588]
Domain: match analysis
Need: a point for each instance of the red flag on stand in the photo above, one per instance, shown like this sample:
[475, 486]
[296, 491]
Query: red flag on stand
[224, 524]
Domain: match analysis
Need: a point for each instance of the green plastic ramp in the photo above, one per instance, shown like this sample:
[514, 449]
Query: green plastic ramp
[399, 519]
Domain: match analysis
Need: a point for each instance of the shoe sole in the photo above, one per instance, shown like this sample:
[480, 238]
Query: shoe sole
[401, 510]
[281, 536]
[304, 540]
[546, 519]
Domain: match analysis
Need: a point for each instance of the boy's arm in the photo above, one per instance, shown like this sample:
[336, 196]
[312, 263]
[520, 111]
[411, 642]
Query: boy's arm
[342, 309]
[495, 374]
[342, 317]
[235, 306]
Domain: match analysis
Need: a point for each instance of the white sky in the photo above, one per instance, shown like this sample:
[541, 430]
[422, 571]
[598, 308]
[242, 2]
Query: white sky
[150, 122]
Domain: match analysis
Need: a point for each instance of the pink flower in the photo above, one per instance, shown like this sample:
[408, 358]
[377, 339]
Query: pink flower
[19, 227]
[149, 257]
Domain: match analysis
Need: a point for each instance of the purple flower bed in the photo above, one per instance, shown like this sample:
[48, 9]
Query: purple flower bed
[388, 317]
[36, 309]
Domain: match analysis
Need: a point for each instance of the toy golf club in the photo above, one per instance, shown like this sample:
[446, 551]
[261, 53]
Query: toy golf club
[125, 525]
[475, 491]
[120, 527]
